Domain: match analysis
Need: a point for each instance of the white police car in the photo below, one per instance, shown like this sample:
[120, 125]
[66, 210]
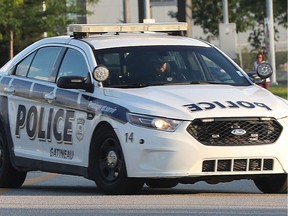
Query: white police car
[124, 108]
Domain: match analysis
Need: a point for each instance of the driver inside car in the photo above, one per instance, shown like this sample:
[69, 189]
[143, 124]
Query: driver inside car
[149, 67]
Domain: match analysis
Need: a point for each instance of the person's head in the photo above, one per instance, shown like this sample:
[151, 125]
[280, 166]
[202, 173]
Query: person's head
[260, 57]
[157, 64]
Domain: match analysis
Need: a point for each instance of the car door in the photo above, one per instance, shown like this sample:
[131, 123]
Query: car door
[70, 124]
[27, 104]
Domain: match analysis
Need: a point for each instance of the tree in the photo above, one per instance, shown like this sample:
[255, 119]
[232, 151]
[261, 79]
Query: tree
[247, 14]
[8, 21]
[257, 36]
[30, 19]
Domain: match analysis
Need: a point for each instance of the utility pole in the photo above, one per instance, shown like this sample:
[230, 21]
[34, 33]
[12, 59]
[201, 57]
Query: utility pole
[225, 11]
[184, 14]
[44, 11]
[143, 10]
[11, 44]
[126, 11]
[228, 34]
[147, 14]
[140, 11]
[270, 32]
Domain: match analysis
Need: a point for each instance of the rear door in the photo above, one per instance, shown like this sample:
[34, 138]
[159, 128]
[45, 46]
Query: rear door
[27, 103]
[50, 124]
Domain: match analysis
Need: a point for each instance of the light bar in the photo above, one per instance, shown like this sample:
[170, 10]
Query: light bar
[127, 27]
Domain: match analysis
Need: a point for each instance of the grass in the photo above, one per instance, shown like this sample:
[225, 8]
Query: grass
[281, 89]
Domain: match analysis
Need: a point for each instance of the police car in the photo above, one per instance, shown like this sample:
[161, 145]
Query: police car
[128, 104]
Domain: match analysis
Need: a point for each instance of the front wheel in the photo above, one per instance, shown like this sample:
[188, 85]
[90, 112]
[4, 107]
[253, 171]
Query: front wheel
[9, 176]
[109, 164]
[272, 184]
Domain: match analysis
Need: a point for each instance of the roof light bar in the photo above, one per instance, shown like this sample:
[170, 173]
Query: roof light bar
[127, 27]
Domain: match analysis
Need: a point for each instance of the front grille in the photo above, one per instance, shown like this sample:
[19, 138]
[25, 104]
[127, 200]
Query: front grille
[237, 165]
[235, 131]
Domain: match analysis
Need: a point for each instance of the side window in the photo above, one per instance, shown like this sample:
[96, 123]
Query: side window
[73, 64]
[23, 67]
[44, 63]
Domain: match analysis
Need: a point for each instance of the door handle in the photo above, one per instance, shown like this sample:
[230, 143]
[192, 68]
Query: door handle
[9, 90]
[50, 97]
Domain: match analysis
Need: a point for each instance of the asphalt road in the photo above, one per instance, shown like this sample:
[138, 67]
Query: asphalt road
[50, 194]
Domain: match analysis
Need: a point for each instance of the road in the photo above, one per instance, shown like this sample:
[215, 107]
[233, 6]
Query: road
[51, 194]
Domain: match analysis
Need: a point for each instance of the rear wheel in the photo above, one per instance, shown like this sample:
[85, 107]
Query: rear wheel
[109, 165]
[9, 176]
[272, 184]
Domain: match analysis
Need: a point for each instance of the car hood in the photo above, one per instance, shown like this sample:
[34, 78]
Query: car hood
[200, 101]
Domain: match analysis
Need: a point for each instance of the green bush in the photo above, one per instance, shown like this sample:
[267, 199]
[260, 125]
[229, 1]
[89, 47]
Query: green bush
[281, 89]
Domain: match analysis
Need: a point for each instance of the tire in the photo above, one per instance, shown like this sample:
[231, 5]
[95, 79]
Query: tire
[9, 176]
[272, 184]
[109, 165]
[161, 183]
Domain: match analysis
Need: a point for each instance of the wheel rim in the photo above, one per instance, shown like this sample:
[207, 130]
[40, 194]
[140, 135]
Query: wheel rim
[110, 160]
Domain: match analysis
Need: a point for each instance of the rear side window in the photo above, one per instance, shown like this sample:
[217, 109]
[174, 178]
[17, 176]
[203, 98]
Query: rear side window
[43, 63]
[23, 67]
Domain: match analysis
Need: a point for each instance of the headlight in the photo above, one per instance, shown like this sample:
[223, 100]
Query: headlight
[153, 122]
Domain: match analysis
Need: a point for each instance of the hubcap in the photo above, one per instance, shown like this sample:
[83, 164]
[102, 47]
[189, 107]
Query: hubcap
[112, 159]
[110, 163]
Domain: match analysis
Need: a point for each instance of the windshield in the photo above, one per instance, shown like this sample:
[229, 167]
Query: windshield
[161, 65]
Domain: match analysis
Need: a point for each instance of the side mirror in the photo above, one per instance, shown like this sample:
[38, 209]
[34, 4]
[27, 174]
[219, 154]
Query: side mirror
[264, 70]
[74, 82]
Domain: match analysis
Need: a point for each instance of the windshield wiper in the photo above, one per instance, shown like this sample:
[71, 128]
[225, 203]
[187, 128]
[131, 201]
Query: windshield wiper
[142, 85]
[223, 83]
[135, 85]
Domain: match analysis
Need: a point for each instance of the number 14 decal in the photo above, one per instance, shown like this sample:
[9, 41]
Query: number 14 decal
[129, 137]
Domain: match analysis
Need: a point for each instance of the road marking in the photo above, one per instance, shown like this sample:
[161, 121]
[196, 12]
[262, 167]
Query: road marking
[39, 179]
[32, 181]
[3, 190]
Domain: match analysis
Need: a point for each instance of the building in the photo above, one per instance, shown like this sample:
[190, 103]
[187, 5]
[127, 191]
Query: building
[112, 11]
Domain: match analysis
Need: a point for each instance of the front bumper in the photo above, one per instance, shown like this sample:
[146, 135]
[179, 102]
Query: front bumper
[158, 154]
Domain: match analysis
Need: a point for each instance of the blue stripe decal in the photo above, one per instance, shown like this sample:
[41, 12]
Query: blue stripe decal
[98, 106]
